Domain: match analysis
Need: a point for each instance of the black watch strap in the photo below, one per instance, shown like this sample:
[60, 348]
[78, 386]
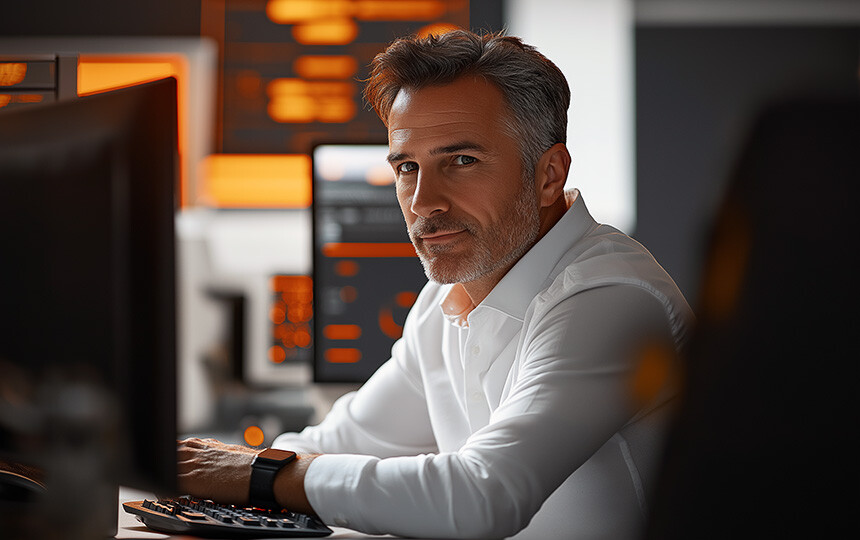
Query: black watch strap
[264, 468]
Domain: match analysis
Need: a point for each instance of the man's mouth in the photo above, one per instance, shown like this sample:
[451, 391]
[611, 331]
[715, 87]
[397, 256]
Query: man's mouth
[440, 237]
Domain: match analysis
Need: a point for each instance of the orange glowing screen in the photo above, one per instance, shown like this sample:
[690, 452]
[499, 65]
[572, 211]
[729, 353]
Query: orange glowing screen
[342, 331]
[326, 32]
[257, 180]
[278, 314]
[302, 337]
[300, 101]
[295, 11]
[290, 314]
[277, 354]
[12, 73]
[332, 22]
[100, 73]
[300, 313]
[359, 249]
[342, 356]
[325, 67]
[6, 99]
[388, 325]
[294, 288]
[390, 10]
[299, 11]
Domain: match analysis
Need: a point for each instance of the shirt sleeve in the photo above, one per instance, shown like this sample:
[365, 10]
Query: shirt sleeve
[571, 393]
[386, 417]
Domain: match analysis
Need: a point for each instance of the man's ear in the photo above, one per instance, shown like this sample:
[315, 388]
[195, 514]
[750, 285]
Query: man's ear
[551, 174]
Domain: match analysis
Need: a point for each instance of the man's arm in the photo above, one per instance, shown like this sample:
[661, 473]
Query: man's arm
[386, 417]
[210, 469]
[568, 397]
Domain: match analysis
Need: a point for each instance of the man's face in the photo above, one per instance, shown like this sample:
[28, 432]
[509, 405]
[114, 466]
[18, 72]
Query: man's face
[460, 182]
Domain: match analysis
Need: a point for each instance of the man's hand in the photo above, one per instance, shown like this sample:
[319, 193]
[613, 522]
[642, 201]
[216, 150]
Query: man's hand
[210, 469]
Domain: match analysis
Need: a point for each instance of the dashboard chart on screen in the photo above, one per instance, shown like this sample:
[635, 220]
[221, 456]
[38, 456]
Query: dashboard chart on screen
[366, 273]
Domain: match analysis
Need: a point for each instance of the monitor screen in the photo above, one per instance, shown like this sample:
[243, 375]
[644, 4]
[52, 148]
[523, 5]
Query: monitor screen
[366, 274]
[87, 211]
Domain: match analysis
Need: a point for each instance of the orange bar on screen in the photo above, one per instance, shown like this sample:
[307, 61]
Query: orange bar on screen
[342, 356]
[367, 249]
[342, 331]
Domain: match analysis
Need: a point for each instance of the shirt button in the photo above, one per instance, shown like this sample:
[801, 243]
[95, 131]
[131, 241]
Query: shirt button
[341, 522]
[477, 396]
[476, 350]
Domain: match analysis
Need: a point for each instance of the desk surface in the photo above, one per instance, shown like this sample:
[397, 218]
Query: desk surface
[129, 527]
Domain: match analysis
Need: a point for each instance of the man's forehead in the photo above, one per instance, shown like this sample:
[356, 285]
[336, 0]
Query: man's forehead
[440, 138]
[464, 108]
[469, 92]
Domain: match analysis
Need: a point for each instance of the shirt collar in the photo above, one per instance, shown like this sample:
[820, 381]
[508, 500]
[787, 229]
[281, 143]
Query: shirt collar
[513, 294]
[457, 305]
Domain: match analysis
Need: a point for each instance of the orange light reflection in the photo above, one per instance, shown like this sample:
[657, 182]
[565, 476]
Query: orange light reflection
[257, 180]
[100, 73]
[254, 436]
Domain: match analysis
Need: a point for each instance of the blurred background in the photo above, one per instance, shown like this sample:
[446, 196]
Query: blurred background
[664, 92]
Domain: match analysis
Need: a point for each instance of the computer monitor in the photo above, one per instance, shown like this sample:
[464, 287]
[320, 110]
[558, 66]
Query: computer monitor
[87, 280]
[366, 274]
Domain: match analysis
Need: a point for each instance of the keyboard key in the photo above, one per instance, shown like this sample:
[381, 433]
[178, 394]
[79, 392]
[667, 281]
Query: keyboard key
[191, 514]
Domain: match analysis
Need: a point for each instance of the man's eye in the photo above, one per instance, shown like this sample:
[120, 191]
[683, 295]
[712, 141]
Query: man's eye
[407, 167]
[464, 160]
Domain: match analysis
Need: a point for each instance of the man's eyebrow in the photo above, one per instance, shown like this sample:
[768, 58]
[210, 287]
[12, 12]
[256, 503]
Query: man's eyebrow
[442, 150]
[458, 147]
[396, 156]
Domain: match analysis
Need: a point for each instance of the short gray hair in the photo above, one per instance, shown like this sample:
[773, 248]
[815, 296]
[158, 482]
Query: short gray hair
[535, 90]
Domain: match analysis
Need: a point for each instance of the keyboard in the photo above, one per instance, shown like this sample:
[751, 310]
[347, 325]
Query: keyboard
[197, 517]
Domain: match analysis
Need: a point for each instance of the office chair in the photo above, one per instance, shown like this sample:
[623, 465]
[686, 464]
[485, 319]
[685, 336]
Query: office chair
[765, 440]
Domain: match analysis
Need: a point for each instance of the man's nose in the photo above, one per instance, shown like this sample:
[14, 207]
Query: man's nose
[430, 196]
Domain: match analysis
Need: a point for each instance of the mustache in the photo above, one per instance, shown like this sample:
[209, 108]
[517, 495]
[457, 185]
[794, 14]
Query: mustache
[423, 226]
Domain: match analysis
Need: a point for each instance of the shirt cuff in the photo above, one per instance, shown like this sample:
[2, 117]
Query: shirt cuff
[330, 485]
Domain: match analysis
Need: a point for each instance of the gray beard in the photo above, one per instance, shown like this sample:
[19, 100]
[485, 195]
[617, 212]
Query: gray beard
[518, 236]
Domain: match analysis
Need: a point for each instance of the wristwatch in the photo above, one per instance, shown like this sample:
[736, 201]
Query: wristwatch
[264, 468]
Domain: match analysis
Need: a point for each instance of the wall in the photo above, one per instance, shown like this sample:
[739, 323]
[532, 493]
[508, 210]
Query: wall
[700, 78]
[100, 17]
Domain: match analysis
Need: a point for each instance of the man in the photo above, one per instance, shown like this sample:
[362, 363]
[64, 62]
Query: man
[506, 404]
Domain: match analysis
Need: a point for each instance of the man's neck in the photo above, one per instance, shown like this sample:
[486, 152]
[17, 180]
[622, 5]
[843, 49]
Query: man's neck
[481, 287]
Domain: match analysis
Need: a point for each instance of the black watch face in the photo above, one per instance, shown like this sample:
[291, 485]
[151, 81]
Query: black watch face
[273, 455]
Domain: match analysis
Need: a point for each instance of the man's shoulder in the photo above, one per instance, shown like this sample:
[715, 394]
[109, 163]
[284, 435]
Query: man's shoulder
[604, 257]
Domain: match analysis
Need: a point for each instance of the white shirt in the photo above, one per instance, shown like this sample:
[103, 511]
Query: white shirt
[519, 417]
